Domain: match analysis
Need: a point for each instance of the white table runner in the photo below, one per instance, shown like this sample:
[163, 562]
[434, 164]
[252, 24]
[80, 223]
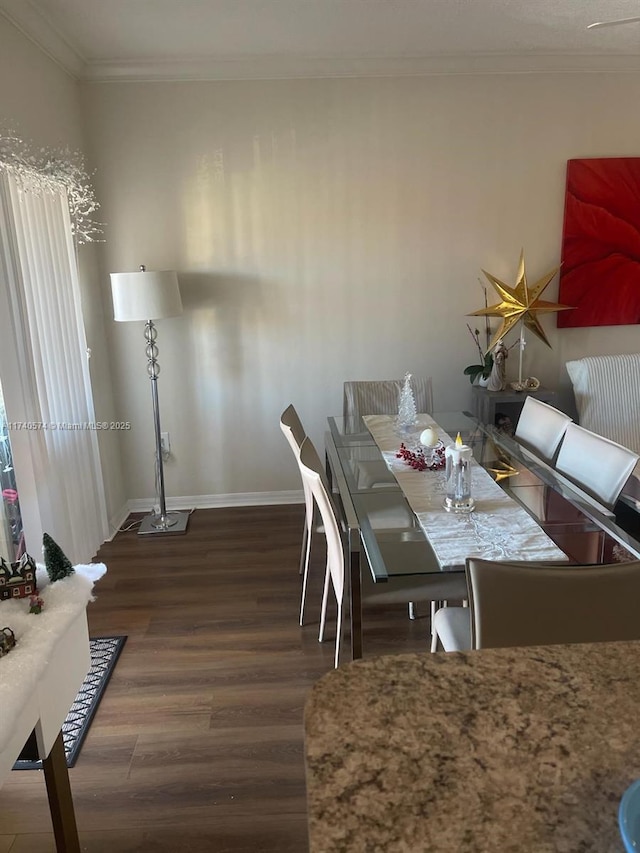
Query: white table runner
[498, 529]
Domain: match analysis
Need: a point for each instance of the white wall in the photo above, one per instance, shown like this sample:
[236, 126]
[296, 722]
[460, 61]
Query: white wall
[326, 230]
[41, 103]
[37, 98]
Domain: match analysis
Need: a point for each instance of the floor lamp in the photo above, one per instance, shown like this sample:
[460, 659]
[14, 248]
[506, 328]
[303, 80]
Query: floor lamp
[150, 296]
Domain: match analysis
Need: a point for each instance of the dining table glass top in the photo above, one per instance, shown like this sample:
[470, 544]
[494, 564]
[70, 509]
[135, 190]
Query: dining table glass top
[381, 522]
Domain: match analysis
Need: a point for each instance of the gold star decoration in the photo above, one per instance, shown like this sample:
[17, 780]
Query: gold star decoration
[502, 467]
[503, 471]
[520, 302]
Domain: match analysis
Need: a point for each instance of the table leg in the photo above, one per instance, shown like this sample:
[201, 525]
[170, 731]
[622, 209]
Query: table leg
[356, 603]
[329, 471]
[60, 803]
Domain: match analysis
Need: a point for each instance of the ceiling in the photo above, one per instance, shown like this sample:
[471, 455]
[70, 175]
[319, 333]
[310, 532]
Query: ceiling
[235, 39]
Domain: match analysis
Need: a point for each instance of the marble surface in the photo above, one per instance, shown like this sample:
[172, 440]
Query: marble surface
[497, 750]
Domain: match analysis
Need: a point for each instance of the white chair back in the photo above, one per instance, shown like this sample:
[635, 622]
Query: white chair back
[311, 470]
[291, 426]
[541, 428]
[293, 430]
[382, 397]
[600, 466]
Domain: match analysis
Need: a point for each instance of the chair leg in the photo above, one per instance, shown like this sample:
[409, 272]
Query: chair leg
[305, 574]
[323, 613]
[434, 636]
[338, 635]
[412, 610]
[303, 551]
[434, 641]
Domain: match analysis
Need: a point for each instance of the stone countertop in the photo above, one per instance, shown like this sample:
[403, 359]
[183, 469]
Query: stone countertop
[497, 750]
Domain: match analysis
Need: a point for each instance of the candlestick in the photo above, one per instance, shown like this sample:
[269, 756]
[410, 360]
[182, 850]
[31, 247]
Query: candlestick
[458, 477]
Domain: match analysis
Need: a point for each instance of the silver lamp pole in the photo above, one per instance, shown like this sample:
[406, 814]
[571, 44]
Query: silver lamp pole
[151, 296]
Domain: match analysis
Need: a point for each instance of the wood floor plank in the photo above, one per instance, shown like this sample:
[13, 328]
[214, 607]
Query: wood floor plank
[198, 742]
[278, 834]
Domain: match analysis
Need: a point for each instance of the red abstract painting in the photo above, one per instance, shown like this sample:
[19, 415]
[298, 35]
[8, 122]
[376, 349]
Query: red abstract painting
[600, 272]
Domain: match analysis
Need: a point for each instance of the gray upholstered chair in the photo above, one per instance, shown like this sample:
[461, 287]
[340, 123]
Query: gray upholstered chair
[595, 464]
[382, 397]
[541, 427]
[396, 590]
[530, 604]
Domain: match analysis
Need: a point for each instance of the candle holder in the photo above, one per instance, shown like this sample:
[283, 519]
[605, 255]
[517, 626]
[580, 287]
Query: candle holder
[430, 444]
[458, 478]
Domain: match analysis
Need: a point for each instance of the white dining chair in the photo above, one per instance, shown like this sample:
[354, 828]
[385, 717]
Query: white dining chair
[294, 432]
[397, 590]
[599, 466]
[541, 427]
[529, 604]
[310, 469]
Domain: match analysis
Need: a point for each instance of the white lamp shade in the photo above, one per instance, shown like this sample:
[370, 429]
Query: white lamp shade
[145, 295]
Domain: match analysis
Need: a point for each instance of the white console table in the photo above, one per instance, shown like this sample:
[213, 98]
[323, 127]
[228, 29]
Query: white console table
[39, 680]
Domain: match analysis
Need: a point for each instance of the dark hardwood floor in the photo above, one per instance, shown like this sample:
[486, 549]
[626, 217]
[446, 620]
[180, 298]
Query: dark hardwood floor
[197, 746]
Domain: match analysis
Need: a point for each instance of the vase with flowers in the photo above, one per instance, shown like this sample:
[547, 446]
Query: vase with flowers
[479, 373]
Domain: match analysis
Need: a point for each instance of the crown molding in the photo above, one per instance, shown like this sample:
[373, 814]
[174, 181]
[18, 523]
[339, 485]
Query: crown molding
[36, 27]
[32, 24]
[287, 67]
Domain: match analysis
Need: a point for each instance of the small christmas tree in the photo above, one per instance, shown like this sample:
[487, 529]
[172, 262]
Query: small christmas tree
[407, 412]
[57, 564]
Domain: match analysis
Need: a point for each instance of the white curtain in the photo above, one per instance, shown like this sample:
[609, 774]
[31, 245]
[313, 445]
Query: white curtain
[45, 377]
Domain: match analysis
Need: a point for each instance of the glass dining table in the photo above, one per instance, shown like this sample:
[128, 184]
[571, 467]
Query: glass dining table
[386, 538]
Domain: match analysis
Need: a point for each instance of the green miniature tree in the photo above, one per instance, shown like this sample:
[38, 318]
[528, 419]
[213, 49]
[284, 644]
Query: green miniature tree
[57, 564]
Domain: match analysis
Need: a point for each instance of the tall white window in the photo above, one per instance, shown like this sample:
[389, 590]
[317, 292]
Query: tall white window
[45, 374]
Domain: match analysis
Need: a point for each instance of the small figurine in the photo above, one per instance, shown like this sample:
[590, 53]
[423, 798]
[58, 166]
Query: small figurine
[504, 424]
[35, 604]
[498, 378]
[7, 641]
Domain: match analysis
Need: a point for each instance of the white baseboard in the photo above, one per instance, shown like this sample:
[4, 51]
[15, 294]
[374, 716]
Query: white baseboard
[203, 502]
[215, 501]
[116, 521]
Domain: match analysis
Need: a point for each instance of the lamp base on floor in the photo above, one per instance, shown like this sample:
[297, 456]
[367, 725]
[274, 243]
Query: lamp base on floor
[174, 522]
